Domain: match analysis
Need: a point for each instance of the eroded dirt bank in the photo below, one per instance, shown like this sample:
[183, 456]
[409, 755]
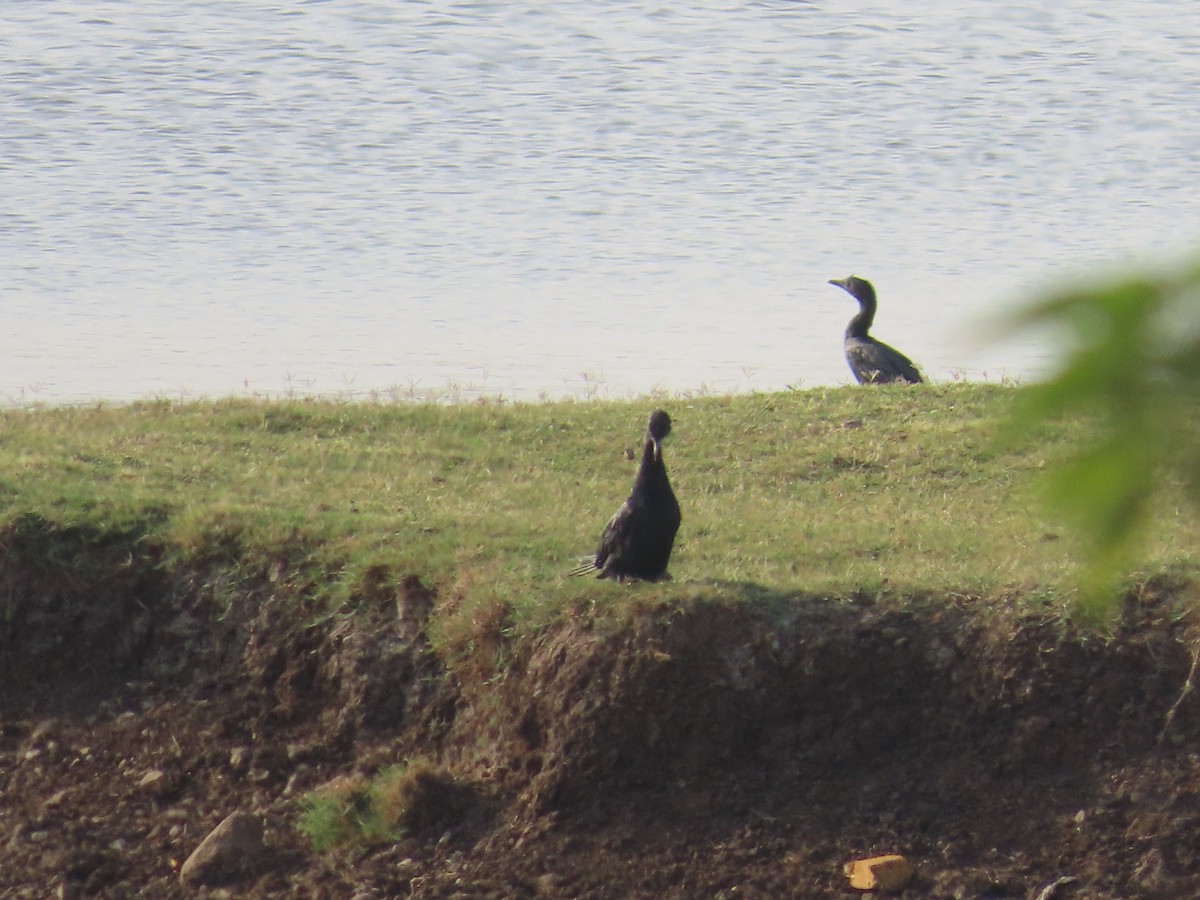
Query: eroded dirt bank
[739, 750]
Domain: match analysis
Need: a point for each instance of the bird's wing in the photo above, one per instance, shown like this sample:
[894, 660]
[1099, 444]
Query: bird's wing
[613, 535]
[610, 540]
[862, 362]
[899, 365]
[875, 361]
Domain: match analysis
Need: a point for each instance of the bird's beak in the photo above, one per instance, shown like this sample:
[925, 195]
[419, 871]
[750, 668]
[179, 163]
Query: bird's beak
[657, 448]
[840, 282]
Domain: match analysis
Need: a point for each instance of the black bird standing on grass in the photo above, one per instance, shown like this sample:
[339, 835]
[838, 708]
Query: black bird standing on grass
[637, 541]
[871, 361]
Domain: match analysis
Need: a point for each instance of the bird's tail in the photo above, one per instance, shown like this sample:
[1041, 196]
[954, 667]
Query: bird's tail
[585, 566]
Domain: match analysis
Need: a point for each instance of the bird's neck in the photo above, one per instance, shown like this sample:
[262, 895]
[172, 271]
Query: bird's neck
[653, 471]
[861, 323]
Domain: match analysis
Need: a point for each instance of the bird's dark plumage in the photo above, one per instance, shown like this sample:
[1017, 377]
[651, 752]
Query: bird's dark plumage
[871, 361]
[637, 541]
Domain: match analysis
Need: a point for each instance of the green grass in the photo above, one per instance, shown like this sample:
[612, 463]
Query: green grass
[354, 811]
[835, 491]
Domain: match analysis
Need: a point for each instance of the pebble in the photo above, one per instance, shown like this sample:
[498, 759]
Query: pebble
[233, 848]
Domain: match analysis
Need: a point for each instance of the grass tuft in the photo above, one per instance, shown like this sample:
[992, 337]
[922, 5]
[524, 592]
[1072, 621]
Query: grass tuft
[354, 811]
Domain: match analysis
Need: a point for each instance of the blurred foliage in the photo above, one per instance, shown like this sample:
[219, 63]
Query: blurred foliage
[1132, 370]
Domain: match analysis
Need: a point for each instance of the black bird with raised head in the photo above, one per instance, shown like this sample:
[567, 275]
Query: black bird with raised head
[637, 541]
[871, 361]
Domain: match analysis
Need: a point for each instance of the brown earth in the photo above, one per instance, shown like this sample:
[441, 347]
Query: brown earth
[715, 749]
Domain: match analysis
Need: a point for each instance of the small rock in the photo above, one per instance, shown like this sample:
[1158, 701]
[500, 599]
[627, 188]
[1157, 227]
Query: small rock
[1150, 872]
[296, 780]
[1050, 891]
[943, 656]
[55, 799]
[41, 731]
[233, 848]
[879, 873]
[159, 783]
[238, 757]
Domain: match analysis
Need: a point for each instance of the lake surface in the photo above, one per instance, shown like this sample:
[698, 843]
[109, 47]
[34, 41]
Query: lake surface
[527, 200]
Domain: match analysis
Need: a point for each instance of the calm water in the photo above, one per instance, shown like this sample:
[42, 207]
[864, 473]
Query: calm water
[549, 199]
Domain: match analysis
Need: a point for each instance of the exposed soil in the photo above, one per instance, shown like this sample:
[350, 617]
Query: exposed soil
[713, 750]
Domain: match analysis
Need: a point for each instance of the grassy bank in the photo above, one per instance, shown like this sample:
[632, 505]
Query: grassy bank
[828, 491]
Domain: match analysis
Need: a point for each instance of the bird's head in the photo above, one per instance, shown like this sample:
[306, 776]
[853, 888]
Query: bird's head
[858, 288]
[658, 429]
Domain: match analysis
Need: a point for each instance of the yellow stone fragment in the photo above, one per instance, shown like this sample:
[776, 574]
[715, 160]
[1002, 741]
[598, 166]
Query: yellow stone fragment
[879, 873]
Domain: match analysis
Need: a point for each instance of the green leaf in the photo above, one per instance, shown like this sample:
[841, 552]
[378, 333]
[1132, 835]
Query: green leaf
[1133, 366]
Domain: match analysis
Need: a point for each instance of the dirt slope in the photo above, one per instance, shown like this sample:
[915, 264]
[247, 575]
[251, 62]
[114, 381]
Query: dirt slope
[713, 750]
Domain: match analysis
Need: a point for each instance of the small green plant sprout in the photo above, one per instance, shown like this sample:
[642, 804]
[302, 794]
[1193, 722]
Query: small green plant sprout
[410, 799]
[338, 814]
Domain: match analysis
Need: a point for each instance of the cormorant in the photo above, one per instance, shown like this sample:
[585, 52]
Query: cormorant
[871, 361]
[637, 540]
